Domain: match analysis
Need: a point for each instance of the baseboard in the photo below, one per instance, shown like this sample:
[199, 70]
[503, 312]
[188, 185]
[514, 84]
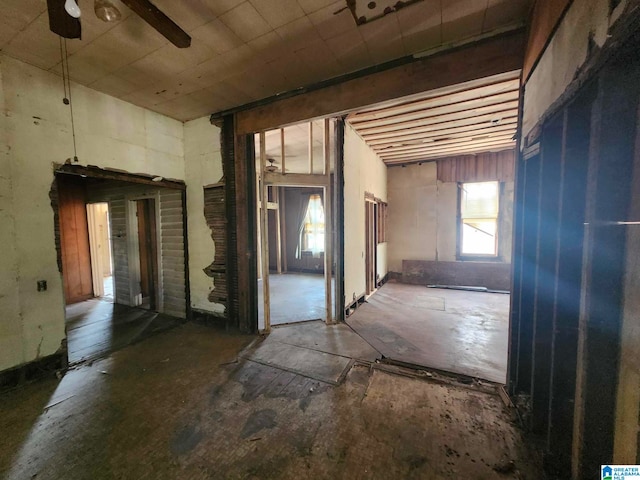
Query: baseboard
[37, 369]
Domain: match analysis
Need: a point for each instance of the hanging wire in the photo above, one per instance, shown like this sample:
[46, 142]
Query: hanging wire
[66, 81]
[65, 100]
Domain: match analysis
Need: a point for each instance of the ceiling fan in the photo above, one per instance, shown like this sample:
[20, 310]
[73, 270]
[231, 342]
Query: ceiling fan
[274, 166]
[64, 19]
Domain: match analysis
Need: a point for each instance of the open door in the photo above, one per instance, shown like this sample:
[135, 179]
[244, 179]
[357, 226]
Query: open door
[148, 252]
[74, 240]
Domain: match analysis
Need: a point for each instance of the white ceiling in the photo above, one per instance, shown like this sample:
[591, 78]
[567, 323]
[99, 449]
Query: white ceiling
[472, 117]
[241, 51]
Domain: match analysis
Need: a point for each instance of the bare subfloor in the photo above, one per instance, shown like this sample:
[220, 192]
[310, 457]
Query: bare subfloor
[294, 297]
[96, 327]
[452, 330]
[188, 404]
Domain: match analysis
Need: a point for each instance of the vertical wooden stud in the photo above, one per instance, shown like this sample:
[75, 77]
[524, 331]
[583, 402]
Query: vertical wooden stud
[328, 230]
[264, 244]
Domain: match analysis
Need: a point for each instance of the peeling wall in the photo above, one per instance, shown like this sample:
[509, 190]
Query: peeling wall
[364, 172]
[35, 132]
[203, 166]
[586, 21]
[423, 216]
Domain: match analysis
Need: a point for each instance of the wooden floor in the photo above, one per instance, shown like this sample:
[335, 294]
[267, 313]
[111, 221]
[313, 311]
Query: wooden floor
[96, 327]
[450, 330]
[295, 297]
[186, 404]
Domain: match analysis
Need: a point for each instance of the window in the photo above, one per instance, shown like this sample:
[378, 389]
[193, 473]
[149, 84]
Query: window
[479, 218]
[312, 235]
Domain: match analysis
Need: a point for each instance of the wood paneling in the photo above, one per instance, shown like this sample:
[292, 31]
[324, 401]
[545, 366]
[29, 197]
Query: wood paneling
[482, 167]
[74, 240]
[172, 253]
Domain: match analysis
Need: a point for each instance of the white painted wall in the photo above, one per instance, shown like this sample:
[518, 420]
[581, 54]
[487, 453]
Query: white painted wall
[364, 172]
[564, 55]
[35, 132]
[203, 166]
[423, 216]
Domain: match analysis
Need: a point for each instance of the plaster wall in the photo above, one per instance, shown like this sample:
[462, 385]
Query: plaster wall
[35, 133]
[586, 21]
[203, 166]
[423, 216]
[364, 172]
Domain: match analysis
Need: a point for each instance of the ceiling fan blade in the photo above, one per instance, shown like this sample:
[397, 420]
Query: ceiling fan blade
[60, 22]
[158, 20]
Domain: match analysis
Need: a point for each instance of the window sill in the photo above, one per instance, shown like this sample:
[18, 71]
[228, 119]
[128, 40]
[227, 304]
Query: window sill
[479, 258]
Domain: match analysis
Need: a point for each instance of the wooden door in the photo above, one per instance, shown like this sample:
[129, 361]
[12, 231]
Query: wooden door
[148, 252]
[74, 239]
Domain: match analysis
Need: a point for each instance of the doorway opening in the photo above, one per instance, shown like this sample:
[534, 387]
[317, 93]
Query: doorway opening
[295, 227]
[100, 250]
[431, 253]
[122, 255]
[145, 211]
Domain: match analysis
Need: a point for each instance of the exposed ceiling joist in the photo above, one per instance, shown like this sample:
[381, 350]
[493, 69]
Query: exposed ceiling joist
[465, 106]
[447, 90]
[471, 147]
[468, 151]
[495, 112]
[461, 132]
[437, 129]
[509, 86]
[449, 123]
[444, 145]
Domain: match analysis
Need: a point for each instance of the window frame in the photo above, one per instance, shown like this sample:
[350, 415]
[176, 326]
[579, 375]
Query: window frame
[304, 242]
[487, 257]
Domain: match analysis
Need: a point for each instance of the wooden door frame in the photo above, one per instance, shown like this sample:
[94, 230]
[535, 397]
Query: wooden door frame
[133, 247]
[371, 205]
[272, 179]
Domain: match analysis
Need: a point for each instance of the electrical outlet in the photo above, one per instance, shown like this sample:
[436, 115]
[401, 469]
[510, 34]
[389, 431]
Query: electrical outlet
[42, 285]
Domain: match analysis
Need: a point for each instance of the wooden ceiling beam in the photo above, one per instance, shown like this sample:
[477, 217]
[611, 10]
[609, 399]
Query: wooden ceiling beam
[480, 145]
[448, 148]
[477, 122]
[496, 55]
[455, 102]
[494, 111]
[447, 155]
[433, 156]
[447, 144]
[447, 90]
[467, 105]
[460, 132]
